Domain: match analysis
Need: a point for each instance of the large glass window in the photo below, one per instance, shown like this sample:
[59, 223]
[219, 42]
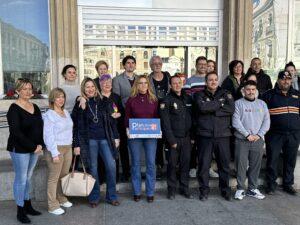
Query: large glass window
[24, 35]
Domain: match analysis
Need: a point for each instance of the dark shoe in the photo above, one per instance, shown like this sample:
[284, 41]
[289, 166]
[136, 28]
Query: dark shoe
[171, 195]
[21, 215]
[93, 205]
[29, 209]
[203, 197]
[290, 190]
[270, 191]
[150, 199]
[186, 194]
[226, 195]
[114, 202]
[136, 198]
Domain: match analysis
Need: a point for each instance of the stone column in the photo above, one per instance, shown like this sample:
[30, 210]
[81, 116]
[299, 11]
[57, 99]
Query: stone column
[237, 34]
[64, 37]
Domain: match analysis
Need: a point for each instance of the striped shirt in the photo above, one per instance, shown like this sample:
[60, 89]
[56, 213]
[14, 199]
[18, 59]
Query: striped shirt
[194, 84]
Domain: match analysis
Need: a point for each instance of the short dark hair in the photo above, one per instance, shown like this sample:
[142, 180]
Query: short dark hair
[210, 73]
[126, 58]
[66, 67]
[250, 82]
[173, 77]
[201, 58]
[247, 76]
[255, 58]
[289, 64]
[233, 64]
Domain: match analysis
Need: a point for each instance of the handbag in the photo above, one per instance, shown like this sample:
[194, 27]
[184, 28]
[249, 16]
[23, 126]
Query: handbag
[77, 183]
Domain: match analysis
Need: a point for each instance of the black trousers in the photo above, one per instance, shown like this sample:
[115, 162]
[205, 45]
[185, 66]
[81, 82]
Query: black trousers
[288, 144]
[181, 155]
[206, 146]
[193, 161]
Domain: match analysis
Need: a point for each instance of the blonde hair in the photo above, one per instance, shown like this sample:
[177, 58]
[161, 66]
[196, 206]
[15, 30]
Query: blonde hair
[55, 93]
[21, 82]
[82, 88]
[99, 63]
[135, 91]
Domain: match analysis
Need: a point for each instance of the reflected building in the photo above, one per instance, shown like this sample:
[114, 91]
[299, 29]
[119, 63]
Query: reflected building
[23, 55]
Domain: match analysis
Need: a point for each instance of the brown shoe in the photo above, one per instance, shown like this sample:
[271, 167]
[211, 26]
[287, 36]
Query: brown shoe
[93, 205]
[136, 198]
[114, 203]
[150, 199]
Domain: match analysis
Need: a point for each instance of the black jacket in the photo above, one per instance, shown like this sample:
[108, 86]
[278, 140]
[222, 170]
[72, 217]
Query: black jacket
[176, 116]
[284, 110]
[81, 128]
[263, 80]
[213, 118]
[229, 86]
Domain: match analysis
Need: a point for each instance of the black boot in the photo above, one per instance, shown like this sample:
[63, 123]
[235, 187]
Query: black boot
[21, 215]
[29, 209]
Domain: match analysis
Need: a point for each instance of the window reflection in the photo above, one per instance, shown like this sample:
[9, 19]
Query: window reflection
[25, 44]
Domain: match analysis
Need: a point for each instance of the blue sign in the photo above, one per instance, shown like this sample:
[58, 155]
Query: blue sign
[144, 128]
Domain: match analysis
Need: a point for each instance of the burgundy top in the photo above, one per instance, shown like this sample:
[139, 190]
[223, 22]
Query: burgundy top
[140, 107]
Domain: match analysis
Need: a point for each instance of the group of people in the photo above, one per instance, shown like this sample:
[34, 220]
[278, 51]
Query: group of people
[201, 120]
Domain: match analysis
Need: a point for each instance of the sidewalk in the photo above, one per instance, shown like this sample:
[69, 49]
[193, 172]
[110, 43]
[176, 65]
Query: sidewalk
[274, 210]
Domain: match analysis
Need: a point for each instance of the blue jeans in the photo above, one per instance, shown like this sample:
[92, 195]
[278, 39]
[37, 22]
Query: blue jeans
[23, 165]
[135, 147]
[96, 148]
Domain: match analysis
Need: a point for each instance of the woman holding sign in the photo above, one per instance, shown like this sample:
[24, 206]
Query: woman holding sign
[142, 104]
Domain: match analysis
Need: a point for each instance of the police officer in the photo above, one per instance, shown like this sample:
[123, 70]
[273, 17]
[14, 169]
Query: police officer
[176, 120]
[284, 134]
[214, 107]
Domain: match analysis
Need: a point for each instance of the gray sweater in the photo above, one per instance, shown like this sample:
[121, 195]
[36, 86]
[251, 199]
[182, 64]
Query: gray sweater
[250, 117]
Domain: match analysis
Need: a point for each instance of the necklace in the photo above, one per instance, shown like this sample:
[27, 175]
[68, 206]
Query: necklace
[95, 115]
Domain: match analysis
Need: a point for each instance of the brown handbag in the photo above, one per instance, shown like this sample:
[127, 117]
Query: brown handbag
[77, 183]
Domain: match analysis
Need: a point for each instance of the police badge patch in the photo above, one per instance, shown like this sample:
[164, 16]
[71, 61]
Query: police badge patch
[162, 105]
[175, 105]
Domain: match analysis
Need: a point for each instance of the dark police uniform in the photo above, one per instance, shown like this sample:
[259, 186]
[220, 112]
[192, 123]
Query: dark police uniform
[283, 136]
[213, 130]
[176, 121]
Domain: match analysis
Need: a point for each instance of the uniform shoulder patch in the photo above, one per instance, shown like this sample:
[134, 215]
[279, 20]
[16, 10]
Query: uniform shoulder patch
[162, 105]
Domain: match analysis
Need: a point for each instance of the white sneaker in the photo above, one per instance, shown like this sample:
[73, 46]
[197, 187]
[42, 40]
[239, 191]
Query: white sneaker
[66, 204]
[213, 174]
[239, 194]
[57, 212]
[255, 193]
[193, 173]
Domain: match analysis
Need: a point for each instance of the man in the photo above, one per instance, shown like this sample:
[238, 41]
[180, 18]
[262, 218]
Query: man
[160, 85]
[251, 121]
[122, 83]
[176, 120]
[214, 108]
[284, 135]
[263, 80]
[195, 84]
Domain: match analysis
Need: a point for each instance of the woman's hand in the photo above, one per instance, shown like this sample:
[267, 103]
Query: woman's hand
[82, 102]
[56, 159]
[77, 151]
[117, 143]
[38, 150]
[116, 115]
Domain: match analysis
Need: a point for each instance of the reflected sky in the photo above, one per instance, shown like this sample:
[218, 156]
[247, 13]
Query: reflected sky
[27, 15]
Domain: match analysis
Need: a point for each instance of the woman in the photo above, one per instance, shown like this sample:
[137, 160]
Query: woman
[118, 112]
[58, 136]
[235, 78]
[291, 68]
[211, 66]
[95, 133]
[142, 104]
[71, 88]
[24, 146]
[101, 68]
